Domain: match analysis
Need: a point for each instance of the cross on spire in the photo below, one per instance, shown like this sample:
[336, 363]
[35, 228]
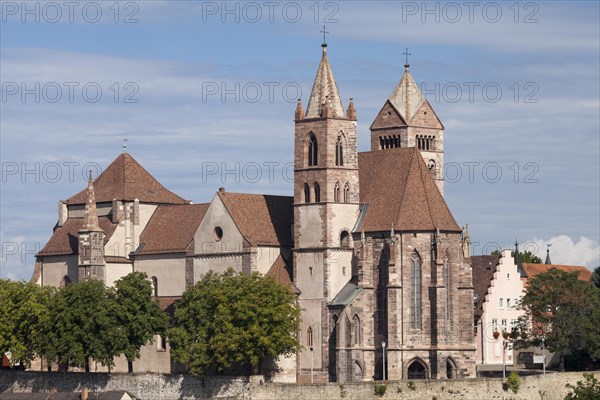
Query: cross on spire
[324, 32]
[406, 53]
[125, 145]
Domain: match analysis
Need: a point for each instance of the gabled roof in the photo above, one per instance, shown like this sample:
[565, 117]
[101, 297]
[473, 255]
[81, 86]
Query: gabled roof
[64, 240]
[126, 179]
[534, 269]
[399, 190]
[281, 271]
[261, 219]
[407, 97]
[171, 229]
[483, 272]
[324, 89]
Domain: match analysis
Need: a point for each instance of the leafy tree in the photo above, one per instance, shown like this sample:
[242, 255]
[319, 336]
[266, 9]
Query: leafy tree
[84, 325]
[526, 256]
[564, 311]
[138, 315]
[234, 319]
[596, 277]
[24, 313]
[589, 389]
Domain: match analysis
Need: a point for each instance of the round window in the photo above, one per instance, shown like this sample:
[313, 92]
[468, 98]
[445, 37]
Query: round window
[218, 233]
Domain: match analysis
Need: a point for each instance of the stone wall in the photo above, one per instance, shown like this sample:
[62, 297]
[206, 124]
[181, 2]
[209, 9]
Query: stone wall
[166, 387]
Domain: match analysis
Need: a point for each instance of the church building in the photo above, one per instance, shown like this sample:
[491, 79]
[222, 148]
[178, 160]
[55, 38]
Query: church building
[367, 242]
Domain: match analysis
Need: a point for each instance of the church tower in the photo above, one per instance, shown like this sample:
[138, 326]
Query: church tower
[91, 240]
[408, 120]
[326, 208]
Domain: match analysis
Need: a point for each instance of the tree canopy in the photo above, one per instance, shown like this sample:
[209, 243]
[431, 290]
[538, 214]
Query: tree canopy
[526, 256]
[234, 319]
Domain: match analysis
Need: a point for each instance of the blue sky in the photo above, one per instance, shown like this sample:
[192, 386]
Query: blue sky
[204, 92]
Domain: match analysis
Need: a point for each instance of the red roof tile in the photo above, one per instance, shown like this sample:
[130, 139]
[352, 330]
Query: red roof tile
[280, 270]
[261, 219]
[399, 190]
[534, 269]
[64, 240]
[171, 229]
[126, 179]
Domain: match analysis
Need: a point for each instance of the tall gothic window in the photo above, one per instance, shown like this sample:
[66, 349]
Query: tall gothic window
[415, 292]
[339, 152]
[356, 330]
[306, 193]
[346, 193]
[155, 286]
[336, 193]
[309, 337]
[313, 150]
[317, 193]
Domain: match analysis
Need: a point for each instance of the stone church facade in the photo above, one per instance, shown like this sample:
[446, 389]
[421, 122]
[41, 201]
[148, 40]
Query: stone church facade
[379, 265]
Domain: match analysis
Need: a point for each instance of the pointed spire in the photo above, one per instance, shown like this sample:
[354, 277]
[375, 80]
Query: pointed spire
[299, 111]
[90, 221]
[324, 93]
[548, 254]
[518, 260]
[351, 113]
[406, 97]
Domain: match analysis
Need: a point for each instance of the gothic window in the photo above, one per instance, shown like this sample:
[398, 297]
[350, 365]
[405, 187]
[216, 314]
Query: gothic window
[381, 147]
[416, 370]
[306, 193]
[309, 338]
[339, 152]
[155, 286]
[336, 193]
[450, 369]
[313, 150]
[345, 239]
[415, 292]
[346, 193]
[447, 284]
[317, 193]
[431, 167]
[356, 330]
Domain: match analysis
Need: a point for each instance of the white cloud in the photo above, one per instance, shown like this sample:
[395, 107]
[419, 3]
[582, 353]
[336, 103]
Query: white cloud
[566, 251]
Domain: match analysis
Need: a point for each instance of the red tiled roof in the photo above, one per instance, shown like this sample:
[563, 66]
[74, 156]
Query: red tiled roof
[534, 269]
[280, 271]
[64, 240]
[483, 272]
[261, 219]
[399, 190]
[171, 229]
[167, 304]
[126, 179]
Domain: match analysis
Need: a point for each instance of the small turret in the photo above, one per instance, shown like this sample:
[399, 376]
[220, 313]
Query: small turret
[351, 113]
[299, 111]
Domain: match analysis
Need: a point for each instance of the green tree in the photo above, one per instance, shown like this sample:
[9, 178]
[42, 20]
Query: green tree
[24, 312]
[526, 256]
[588, 389]
[596, 277]
[84, 326]
[234, 319]
[138, 315]
[564, 311]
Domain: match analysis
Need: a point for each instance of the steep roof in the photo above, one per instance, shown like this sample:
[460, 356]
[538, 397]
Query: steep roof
[534, 269]
[399, 189]
[126, 179]
[406, 97]
[324, 89]
[261, 219]
[171, 228]
[483, 268]
[64, 240]
[281, 271]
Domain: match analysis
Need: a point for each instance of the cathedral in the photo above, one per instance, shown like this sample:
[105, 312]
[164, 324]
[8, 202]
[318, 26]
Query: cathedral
[379, 265]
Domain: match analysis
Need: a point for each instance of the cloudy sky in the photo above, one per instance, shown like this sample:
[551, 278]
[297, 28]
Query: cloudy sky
[205, 94]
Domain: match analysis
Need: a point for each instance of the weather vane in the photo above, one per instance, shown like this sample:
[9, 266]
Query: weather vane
[324, 32]
[125, 145]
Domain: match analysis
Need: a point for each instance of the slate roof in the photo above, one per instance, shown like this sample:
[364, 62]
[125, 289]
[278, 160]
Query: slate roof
[483, 272]
[261, 219]
[534, 269]
[126, 179]
[399, 190]
[64, 240]
[171, 229]
[346, 294]
[281, 270]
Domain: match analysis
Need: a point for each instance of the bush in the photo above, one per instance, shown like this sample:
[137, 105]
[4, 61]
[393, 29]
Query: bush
[513, 382]
[380, 390]
[411, 385]
[584, 390]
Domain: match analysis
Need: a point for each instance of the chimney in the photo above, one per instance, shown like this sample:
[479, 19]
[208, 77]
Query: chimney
[221, 189]
[84, 393]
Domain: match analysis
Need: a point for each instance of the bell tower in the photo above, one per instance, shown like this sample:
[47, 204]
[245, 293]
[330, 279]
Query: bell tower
[326, 208]
[91, 240]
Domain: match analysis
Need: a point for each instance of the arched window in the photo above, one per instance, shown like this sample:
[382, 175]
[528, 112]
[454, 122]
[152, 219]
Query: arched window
[415, 292]
[313, 150]
[356, 330]
[155, 286]
[306, 193]
[431, 167]
[309, 338]
[339, 152]
[336, 193]
[451, 369]
[346, 193]
[317, 193]
[345, 239]
[417, 370]
[427, 141]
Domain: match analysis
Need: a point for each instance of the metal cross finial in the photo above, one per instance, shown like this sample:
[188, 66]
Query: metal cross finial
[406, 53]
[125, 145]
[324, 32]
